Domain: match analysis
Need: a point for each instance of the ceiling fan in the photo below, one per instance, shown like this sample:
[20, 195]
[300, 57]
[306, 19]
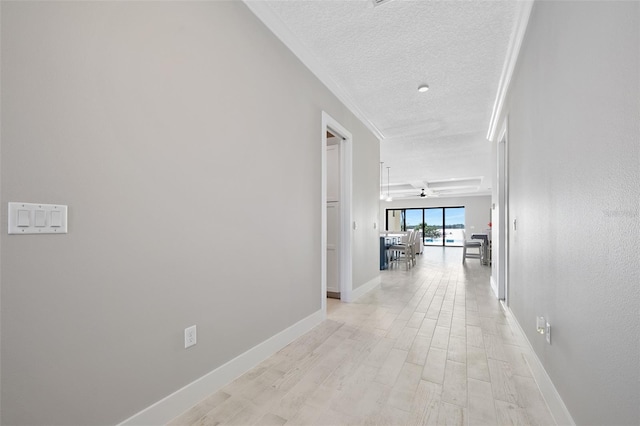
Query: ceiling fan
[409, 195]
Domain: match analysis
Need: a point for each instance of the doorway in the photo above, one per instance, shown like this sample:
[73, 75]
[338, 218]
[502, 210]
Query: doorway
[336, 145]
[333, 216]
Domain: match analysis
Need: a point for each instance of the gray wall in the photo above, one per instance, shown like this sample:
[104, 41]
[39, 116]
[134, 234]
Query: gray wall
[178, 133]
[365, 247]
[573, 117]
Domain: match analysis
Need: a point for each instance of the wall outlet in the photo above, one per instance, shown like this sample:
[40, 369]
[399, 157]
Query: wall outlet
[548, 333]
[190, 338]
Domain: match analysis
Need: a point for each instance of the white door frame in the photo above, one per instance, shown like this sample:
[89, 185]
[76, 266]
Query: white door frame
[346, 172]
[502, 246]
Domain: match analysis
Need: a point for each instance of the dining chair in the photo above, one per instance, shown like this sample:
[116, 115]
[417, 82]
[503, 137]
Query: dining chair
[403, 252]
[413, 242]
[417, 242]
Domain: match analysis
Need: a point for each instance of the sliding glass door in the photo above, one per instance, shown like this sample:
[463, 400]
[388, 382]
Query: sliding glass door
[454, 226]
[441, 226]
[433, 226]
[413, 219]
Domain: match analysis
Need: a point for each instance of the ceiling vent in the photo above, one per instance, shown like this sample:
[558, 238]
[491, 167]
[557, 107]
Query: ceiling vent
[379, 2]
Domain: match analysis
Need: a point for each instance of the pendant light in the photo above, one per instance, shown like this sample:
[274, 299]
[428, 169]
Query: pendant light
[389, 199]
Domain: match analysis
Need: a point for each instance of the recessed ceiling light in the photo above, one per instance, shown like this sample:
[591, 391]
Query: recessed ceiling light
[423, 88]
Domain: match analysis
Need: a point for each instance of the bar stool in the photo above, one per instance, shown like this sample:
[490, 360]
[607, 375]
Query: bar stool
[485, 246]
[470, 244]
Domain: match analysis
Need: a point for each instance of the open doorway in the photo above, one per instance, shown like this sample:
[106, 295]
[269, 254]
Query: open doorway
[333, 215]
[336, 211]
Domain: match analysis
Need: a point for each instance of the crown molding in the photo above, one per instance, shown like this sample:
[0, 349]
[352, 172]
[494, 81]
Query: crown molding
[513, 51]
[263, 11]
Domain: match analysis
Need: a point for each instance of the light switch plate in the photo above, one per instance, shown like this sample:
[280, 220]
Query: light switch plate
[32, 218]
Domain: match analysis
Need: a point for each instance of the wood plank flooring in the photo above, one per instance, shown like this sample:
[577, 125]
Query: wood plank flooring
[430, 346]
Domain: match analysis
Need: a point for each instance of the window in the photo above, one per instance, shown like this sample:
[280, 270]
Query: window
[413, 219]
[441, 226]
[395, 220]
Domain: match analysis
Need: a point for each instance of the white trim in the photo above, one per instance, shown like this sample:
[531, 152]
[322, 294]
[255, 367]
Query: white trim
[494, 287]
[346, 233]
[346, 185]
[323, 218]
[363, 289]
[501, 248]
[513, 52]
[549, 392]
[181, 400]
[264, 12]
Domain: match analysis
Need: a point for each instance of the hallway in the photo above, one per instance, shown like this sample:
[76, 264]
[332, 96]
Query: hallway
[429, 346]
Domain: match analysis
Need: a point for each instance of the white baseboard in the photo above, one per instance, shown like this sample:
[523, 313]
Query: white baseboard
[363, 289]
[549, 392]
[181, 400]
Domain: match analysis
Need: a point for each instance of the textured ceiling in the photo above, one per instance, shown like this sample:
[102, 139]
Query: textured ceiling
[377, 56]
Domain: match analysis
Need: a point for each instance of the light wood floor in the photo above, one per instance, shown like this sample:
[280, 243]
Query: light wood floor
[430, 346]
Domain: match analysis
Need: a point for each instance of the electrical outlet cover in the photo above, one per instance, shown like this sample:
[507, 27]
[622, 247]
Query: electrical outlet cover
[190, 337]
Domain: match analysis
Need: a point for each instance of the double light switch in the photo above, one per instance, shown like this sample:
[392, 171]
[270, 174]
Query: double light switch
[30, 218]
